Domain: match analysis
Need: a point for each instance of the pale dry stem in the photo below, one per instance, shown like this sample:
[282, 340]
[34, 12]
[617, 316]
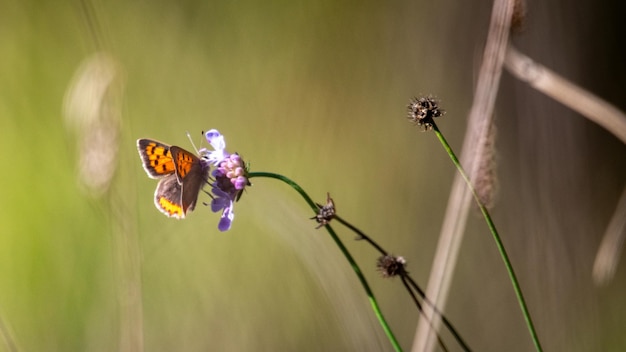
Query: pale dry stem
[566, 92]
[480, 118]
[611, 245]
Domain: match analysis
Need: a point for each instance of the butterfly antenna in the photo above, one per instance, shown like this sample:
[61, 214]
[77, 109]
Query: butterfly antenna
[192, 143]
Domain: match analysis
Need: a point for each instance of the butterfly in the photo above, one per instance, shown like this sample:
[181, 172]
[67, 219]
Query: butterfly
[182, 176]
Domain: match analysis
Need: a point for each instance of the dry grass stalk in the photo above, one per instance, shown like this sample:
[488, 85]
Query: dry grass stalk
[566, 92]
[611, 246]
[480, 118]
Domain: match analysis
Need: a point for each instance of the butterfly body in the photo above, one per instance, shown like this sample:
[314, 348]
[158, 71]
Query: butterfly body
[181, 173]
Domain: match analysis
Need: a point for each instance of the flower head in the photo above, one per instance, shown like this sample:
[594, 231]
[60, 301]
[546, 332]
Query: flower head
[423, 110]
[230, 178]
[390, 266]
[325, 212]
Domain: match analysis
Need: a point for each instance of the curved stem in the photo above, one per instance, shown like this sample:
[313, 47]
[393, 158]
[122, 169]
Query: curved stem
[362, 235]
[496, 237]
[343, 249]
[408, 282]
[419, 307]
[445, 320]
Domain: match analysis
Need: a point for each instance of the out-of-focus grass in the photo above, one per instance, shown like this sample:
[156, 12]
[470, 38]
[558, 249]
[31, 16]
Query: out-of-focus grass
[315, 91]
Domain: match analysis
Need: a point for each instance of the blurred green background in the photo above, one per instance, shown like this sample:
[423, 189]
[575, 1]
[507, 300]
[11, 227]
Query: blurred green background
[315, 91]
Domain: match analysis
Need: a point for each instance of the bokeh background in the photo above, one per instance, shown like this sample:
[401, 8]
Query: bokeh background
[315, 91]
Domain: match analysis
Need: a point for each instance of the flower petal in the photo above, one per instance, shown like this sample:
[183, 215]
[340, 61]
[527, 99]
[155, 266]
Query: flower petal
[224, 224]
[218, 204]
[240, 182]
[226, 219]
[215, 139]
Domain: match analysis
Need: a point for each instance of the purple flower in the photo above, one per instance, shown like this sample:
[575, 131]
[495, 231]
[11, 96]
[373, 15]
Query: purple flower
[231, 177]
[216, 140]
[223, 201]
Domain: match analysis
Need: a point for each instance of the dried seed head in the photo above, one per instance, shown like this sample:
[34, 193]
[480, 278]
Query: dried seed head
[486, 181]
[326, 212]
[390, 266]
[518, 19]
[423, 110]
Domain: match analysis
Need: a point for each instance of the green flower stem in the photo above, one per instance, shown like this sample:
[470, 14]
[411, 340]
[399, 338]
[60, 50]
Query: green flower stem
[408, 282]
[496, 237]
[362, 236]
[343, 249]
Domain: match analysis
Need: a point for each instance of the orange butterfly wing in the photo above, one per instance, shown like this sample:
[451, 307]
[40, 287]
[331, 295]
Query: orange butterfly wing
[192, 176]
[158, 162]
[156, 157]
[182, 176]
[183, 162]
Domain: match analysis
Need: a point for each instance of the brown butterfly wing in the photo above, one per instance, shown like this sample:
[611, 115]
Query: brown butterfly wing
[167, 197]
[156, 158]
[191, 175]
